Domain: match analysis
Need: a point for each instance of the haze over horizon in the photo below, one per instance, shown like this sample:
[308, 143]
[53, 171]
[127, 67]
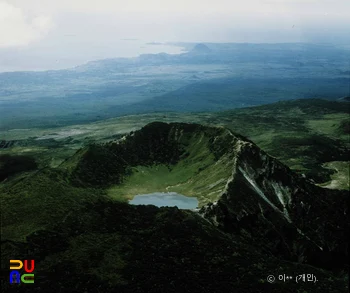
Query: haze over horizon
[36, 35]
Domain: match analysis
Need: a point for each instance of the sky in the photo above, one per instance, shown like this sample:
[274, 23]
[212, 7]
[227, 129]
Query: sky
[53, 34]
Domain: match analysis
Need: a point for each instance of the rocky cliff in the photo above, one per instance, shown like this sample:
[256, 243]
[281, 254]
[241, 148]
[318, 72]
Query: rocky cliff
[288, 215]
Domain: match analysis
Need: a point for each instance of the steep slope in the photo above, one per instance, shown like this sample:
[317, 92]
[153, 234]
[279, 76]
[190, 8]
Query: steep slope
[265, 201]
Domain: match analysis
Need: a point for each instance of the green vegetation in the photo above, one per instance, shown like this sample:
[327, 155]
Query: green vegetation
[59, 216]
[340, 179]
[303, 134]
[196, 175]
[38, 201]
[11, 165]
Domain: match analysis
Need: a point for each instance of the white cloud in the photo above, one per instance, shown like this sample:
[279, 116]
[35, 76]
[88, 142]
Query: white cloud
[18, 29]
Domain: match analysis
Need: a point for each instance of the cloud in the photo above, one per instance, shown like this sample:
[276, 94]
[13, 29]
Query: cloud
[18, 29]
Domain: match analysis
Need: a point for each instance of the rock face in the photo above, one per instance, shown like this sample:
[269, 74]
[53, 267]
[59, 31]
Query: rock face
[260, 198]
[290, 217]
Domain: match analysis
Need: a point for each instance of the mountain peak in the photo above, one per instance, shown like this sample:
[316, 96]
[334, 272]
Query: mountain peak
[201, 48]
[240, 188]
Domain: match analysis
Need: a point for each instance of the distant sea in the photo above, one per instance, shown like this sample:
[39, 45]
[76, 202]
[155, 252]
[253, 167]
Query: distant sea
[61, 56]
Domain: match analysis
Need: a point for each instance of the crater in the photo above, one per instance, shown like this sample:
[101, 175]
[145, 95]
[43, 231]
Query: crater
[180, 158]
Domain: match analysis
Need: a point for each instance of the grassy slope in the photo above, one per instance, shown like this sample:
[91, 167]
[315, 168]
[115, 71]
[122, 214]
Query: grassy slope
[199, 174]
[38, 201]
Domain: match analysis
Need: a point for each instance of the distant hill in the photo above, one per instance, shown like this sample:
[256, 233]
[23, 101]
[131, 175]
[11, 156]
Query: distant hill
[200, 48]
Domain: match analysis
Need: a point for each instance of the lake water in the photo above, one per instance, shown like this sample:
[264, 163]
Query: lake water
[162, 199]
